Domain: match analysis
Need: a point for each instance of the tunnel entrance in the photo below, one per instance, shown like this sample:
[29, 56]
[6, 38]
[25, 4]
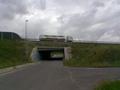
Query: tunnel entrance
[50, 53]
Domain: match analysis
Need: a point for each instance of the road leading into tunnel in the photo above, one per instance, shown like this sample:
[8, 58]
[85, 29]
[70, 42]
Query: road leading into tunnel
[52, 75]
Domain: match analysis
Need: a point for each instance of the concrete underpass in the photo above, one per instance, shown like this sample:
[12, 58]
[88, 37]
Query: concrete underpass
[50, 53]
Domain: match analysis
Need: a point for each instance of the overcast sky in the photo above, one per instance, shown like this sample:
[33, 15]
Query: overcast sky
[94, 20]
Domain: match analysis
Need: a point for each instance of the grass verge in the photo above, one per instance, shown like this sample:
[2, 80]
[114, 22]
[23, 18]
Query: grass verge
[94, 55]
[12, 53]
[109, 85]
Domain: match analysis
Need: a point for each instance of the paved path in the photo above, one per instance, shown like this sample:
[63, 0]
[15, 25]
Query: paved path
[51, 75]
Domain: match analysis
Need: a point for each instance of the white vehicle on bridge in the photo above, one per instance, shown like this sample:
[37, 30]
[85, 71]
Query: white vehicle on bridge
[55, 38]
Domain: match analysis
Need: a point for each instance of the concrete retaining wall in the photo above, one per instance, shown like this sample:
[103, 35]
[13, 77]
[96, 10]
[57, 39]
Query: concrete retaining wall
[35, 54]
[67, 53]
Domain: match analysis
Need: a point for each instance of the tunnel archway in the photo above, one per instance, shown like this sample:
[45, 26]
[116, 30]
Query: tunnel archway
[50, 53]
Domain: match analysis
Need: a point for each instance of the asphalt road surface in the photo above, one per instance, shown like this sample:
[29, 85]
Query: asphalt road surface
[52, 75]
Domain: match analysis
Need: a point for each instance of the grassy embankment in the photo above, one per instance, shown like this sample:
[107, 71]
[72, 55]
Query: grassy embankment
[12, 53]
[83, 54]
[94, 55]
[109, 85]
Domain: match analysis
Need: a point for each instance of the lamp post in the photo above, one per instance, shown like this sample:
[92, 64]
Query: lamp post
[26, 42]
[26, 29]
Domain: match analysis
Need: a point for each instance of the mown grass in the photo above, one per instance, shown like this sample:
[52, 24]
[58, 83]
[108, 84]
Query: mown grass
[109, 85]
[12, 53]
[94, 55]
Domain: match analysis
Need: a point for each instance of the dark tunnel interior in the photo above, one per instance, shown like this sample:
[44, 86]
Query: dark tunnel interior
[51, 54]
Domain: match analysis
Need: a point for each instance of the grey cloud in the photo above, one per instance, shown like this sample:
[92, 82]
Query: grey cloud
[10, 8]
[80, 25]
[82, 19]
[38, 4]
[78, 22]
[98, 4]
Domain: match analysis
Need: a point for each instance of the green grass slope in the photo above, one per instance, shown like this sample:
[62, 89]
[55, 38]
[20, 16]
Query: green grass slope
[109, 85]
[12, 53]
[95, 55]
